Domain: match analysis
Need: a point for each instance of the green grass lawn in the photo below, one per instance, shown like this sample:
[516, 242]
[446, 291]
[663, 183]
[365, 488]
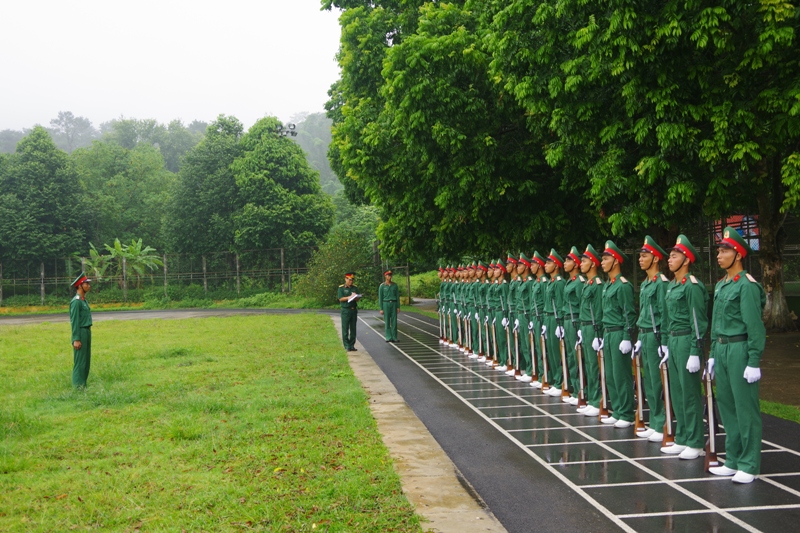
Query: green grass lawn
[215, 424]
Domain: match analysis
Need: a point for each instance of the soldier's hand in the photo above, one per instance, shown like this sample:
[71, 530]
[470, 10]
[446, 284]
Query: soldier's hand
[663, 351]
[559, 332]
[693, 364]
[597, 344]
[77, 345]
[637, 347]
[580, 338]
[381, 311]
[709, 368]
[544, 331]
[625, 347]
[752, 374]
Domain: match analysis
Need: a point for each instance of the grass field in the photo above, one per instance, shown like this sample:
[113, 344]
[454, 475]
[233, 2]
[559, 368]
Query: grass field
[216, 424]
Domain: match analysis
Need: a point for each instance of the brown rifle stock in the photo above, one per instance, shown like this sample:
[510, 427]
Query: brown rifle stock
[581, 376]
[564, 370]
[517, 371]
[604, 395]
[639, 415]
[543, 344]
[669, 438]
[535, 376]
[711, 446]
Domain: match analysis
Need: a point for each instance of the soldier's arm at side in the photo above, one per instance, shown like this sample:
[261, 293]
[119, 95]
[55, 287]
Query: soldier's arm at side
[75, 322]
[752, 301]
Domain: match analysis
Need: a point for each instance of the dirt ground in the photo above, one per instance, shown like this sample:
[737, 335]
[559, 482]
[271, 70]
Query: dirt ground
[780, 366]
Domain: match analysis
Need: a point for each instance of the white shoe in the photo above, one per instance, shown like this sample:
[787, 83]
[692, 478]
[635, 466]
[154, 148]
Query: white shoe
[675, 449]
[510, 372]
[582, 408]
[489, 362]
[501, 368]
[565, 399]
[609, 420]
[722, 470]
[536, 384]
[553, 391]
[622, 424]
[743, 477]
[691, 453]
[591, 411]
[525, 378]
[476, 356]
[573, 400]
[656, 437]
[645, 434]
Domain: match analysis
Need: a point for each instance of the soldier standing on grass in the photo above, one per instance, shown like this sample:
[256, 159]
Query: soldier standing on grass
[80, 318]
[348, 300]
[737, 343]
[389, 302]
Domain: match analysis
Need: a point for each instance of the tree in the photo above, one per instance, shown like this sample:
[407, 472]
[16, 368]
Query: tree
[206, 196]
[42, 211]
[130, 260]
[314, 137]
[9, 140]
[173, 140]
[282, 203]
[70, 132]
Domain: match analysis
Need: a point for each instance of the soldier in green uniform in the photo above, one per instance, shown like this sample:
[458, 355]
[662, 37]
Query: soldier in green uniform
[348, 300]
[80, 319]
[553, 330]
[440, 305]
[389, 303]
[472, 304]
[522, 317]
[737, 343]
[590, 334]
[481, 290]
[651, 301]
[514, 285]
[684, 317]
[537, 291]
[498, 300]
[619, 316]
[571, 313]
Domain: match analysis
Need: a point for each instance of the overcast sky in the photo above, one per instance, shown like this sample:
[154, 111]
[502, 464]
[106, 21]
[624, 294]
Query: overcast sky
[164, 59]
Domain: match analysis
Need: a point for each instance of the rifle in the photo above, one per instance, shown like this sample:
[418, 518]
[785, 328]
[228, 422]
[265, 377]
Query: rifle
[637, 374]
[563, 349]
[543, 349]
[517, 371]
[601, 361]
[711, 445]
[579, 358]
[669, 438]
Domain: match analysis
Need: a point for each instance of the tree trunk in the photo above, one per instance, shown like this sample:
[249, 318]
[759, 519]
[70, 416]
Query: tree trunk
[773, 237]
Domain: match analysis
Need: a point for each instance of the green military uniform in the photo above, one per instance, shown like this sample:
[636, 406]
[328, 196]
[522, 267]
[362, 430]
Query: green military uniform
[571, 313]
[591, 317]
[80, 319]
[389, 303]
[472, 302]
[651, 301]
[737, 341]
[525, 315]
[349, 315]
[514, 287]
[685, 299]
[498, 300]
[554, 303]
[481, 293]
[619, 316]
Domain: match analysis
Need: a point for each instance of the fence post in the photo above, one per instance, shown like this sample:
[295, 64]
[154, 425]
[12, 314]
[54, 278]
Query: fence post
[283, 277]
[42, 283]
[238, 279]
[124, 280]
[408, 283]
[165, 276]
[205, 279]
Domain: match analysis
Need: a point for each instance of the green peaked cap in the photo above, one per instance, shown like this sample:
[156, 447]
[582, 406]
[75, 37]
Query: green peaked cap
[80, 279]
[524, 258]
[556, 258]
[482, 265]
[651, 247]
[511, 258]
[613, 250]
[574, 254]
[684, 246]
[538, 258]
[731, 238]
[592, 254]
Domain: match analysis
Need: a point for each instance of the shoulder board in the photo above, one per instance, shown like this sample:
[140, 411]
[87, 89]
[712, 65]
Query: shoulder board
[77, 297]
[694, 279]
[622, 279]
[751, 278]
[583, 279]
[664, 278]
[341, 285]
[599, 281]
[559, 278]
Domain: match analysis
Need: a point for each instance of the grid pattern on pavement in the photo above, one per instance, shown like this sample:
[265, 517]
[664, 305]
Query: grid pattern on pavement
[625, 477]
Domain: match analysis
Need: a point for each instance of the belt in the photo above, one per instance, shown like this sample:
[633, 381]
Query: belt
[548, 313]
[586, 323]
[645, 331]
[613, 329]
[680, 333]
[733, 338]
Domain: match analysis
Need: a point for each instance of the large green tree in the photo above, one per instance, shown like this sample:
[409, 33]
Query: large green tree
[42, 210]
[70, 132]
[174, 140]
[314, 137]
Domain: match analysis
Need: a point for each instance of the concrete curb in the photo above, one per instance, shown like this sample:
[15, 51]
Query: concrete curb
[430, 481]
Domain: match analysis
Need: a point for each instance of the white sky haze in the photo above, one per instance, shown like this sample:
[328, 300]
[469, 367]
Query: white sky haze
[164, 59]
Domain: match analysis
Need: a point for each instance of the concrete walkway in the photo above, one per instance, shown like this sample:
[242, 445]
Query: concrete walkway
[431, 482]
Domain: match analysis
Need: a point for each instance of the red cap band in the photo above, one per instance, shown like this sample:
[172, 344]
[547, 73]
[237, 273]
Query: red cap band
[614, 254]
[736, 246]
[80, 281]
[685, 251]
[574, 257]
[524, 262]
[555, 260]
[512, 261]
[652, 251]
[594, 259]
[539, 261]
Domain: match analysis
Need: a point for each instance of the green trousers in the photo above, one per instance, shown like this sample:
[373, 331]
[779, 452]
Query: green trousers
[570, 338]
[524, 343]
[554, 370]
[500, 334]
[349, 318]
[82, 359]
[684, 391]
[651, 378]
[739, 408]
[591, 367]
[389, 321]
[619, 376]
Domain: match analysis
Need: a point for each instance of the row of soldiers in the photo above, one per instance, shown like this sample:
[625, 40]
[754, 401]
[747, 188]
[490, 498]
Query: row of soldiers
[555, 323]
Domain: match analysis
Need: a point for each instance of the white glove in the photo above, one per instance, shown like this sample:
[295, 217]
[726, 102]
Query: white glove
[637, 347]
[580, 338]
[709, 368]
[693, 364]
[477, 317]
[494, 321]
[544, 331]
[504, 322]
[597, 344]
[625, 347]
[516, 323]
[486, 319]
[458, 314]
[559, 332]
[530, 326]
[663, 351]
[752, 374]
